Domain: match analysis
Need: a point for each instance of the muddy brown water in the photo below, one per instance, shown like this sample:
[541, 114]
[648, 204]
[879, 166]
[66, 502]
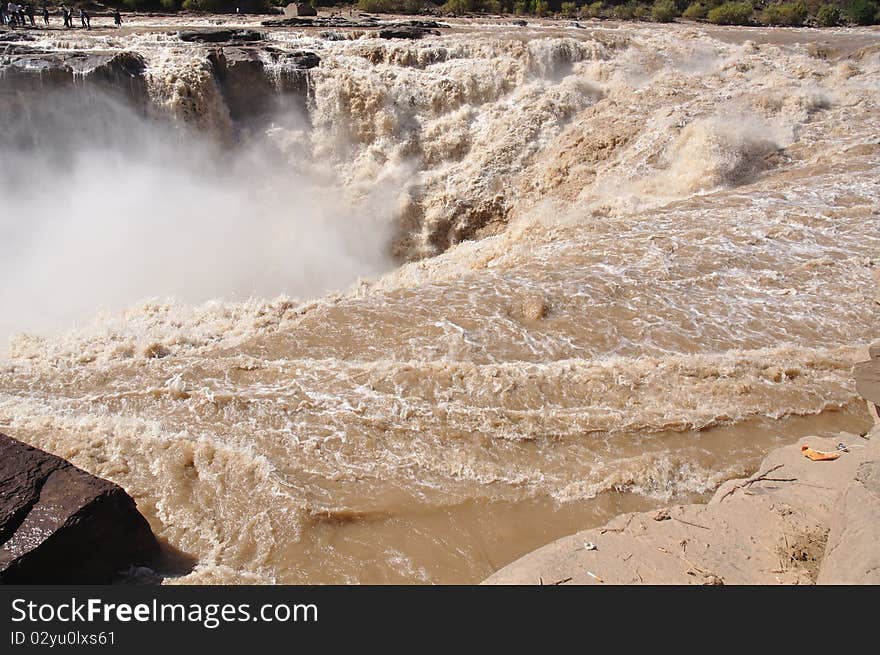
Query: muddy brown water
[680, 280]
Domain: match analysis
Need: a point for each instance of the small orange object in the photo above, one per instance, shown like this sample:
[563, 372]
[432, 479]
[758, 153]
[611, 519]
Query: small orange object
[818, 456]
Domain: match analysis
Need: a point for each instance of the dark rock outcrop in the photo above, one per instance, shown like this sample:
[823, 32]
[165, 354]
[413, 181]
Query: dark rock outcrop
[425, 24]
[219, 36]
[406, 32]
[16, 37]
[249, 90]
[330, 35]
[321, 21]
[55, 97]
[112, 71]
[305, 9]
[61, 525]
[363, 21]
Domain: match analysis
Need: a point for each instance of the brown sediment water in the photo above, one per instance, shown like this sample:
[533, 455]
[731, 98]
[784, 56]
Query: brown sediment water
[623, 263]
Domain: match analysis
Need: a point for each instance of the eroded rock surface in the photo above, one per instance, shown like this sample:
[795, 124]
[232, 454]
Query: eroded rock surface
[61, 525]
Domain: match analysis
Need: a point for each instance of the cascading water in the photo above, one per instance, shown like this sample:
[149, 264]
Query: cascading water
[638, 258]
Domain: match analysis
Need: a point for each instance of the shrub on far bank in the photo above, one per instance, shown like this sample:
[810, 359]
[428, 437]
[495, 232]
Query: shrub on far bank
[625, 11]
[695, 11]
[790, 14]
[452, 6]
[212, 5]
[167, 5]
[731, 13]
[861, 12]
[664, 11]
[397, 6]
[828, 15]
[642, 12]
[592, 10]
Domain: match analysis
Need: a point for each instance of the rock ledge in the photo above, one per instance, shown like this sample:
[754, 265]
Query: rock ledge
[61, 525]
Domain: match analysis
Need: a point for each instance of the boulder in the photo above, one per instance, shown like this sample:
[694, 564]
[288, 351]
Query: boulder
[219, 36]
[61, 525]
[290, 21]
[300, 59]
[322, 21]
[241, 77]
[10, 37]
[249, 90]
[305, 9]
[418, 22]
[406, 32]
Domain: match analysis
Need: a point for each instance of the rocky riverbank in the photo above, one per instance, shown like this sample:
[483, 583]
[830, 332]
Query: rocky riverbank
[795, 521]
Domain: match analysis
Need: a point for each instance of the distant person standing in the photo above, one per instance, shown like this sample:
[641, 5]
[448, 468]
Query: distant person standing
[29, 10]
[12, 12]
[117, 17]
[46, 15]
[85, 18]
[2, 14]
[65, 13]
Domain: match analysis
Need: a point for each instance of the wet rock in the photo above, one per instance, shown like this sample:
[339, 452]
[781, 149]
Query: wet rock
[424, 24]
[333, 36]
[535, 308]
[17, 48]
[291, 21]
[248, 90]
[114, 69]
[16, 37]
[61, 525]
[406, 32]
[35, 84]
[305, 9]
[241, 77]
[322, 21]
[219, 36]
[300, 59]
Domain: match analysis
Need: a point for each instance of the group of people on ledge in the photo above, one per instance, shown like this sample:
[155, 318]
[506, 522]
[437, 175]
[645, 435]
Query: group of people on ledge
[15, 15]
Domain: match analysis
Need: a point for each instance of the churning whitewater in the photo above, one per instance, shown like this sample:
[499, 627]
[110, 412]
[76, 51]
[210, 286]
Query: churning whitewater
[436, 302]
